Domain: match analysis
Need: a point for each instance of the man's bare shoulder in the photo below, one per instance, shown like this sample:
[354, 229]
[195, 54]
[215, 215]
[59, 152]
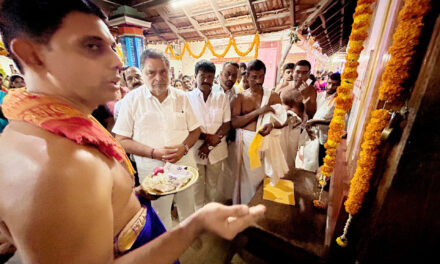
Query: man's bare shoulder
[274, 98]
[53, 194]
[36, 160]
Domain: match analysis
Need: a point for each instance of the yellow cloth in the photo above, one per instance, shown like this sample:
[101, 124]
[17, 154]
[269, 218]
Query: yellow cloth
[255, 145]
[282, 192]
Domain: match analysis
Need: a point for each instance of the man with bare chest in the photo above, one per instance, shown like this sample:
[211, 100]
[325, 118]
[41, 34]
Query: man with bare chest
[307, 93]
[247, 111]
[66, 185]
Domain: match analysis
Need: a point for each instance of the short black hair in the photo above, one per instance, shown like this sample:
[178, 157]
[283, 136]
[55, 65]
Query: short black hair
[205, 66]
[39, 20]
[154, 54]
[243, 65]
[304, 63]
[233, 63]
[15, 76]
[313, 78]
[177, 80]
[186, 76]
[335, 76]
[289, 66]
[256, 65]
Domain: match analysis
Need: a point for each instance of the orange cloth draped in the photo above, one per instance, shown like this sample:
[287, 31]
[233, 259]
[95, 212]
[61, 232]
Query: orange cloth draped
[62, 119]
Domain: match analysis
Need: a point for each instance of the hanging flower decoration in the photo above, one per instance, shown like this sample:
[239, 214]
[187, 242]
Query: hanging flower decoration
[3, 51]
[293, 36]
[405, 39]
[361, 23]
[254, 45]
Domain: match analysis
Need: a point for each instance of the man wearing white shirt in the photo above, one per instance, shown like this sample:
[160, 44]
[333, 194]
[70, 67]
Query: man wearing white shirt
[316, 132]
[228, 77]
[157, 124]
[214, 114]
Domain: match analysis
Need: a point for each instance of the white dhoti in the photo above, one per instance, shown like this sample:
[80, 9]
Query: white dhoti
[207, 188]
[247, 180]
[227, 179]
[185, 200]
[289, 144]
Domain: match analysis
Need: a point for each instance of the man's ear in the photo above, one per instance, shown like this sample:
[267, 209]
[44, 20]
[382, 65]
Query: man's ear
[26, 52]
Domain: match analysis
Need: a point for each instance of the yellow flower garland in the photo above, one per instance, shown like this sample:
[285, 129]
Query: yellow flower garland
[255, 44]
[361, 23]
[3, 51]
[405, 39]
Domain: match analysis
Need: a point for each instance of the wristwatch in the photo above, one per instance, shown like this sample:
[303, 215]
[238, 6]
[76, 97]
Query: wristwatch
[186, 148]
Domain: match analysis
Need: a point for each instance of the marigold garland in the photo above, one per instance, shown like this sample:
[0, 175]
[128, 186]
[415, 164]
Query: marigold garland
[405, 39]
[361, 23]
[396, 72]
[3, 51]
[255, 44]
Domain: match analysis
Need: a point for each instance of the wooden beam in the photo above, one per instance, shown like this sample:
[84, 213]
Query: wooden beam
[193, 22]
[220, 17]
[253, 15]
[328, 27]
[157, 33]
[329, 32]
[148, 3]
[235, 21]
[320, 6]
[293, 12]
[342, 21]
[323, 23]
[173, 28]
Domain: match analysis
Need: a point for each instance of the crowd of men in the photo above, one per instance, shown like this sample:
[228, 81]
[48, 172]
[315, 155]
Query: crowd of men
[210, 126]
[68, 195]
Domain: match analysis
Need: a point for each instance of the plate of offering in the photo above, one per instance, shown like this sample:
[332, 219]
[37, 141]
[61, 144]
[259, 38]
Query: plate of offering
[170, 179]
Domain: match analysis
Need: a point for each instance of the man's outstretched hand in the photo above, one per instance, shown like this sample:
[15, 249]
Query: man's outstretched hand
[228, 221]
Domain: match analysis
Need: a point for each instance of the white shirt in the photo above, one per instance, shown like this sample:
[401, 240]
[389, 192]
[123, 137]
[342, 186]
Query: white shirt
[325, 107]
[211, 115]
[144, 119]
[230, 93]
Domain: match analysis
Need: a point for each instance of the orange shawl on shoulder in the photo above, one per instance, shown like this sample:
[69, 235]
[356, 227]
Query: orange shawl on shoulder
[64, 120]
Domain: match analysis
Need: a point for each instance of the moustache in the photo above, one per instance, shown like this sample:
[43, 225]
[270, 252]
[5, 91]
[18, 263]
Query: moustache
[258, 84]
[205, 83]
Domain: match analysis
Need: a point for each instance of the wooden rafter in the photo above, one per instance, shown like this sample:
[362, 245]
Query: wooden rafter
[157, 33]
[194, 23]
[148, 3]
[253, 15]
[293, 12]
[342, 22]
[235, 21]
[220, 17]
[323, 23]
[319, 8]
[173, 28]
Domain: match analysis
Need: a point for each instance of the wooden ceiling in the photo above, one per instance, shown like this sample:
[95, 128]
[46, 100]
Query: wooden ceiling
[329, 21]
